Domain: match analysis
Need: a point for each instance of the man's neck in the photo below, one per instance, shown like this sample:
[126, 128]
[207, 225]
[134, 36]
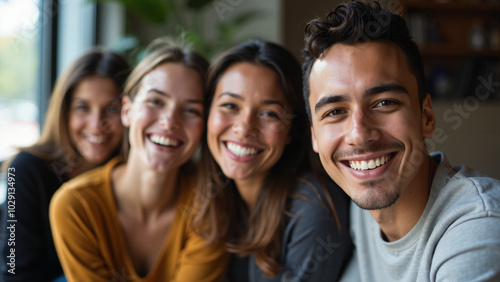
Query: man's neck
[398, 219]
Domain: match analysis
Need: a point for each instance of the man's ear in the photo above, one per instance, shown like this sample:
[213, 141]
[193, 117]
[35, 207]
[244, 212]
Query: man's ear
[314, 142]
[125, 113]
[428, 119]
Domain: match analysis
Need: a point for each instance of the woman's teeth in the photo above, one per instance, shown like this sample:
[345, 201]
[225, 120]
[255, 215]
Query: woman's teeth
[164, 141]
[369, 164]
[97, 139]
[241, 151]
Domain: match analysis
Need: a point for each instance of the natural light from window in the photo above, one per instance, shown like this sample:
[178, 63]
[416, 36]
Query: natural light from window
[19, 67]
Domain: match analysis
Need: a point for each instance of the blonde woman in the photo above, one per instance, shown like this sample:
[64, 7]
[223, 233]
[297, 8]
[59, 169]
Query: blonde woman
[130, 219]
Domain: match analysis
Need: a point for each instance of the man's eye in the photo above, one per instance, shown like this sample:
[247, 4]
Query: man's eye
[334, 112]
[385, 103]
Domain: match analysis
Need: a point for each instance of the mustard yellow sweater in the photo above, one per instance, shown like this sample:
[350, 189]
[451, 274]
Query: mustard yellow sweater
[91, 246]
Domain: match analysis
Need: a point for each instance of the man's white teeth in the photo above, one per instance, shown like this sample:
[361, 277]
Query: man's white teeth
[241, 151]
[96, 138]
[369, 164]
[164, 141]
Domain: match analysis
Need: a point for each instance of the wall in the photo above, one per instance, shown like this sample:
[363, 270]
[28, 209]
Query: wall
[468, 132]
[296, 14]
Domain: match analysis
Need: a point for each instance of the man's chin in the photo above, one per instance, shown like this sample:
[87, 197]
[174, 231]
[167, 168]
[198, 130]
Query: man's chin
[376, 200]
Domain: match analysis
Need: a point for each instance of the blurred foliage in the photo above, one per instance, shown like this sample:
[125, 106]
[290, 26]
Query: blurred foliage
[18, 68]
[183, 18]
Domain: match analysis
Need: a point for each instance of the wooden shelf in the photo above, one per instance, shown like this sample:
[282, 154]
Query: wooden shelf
[453, 6]
[438, 49]
[444, 32]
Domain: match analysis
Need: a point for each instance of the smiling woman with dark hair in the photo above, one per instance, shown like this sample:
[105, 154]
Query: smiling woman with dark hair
[258, 194]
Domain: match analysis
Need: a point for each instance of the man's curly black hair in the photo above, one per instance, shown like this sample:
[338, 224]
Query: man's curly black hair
[357, 22]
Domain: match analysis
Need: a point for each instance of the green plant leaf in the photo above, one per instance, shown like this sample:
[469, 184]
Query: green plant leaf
[246, 17]
[155, 11]
[198, 4]
[226, 30]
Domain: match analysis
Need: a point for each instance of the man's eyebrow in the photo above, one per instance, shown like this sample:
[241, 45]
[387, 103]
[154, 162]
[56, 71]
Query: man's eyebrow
[329, 100]
[386, 87]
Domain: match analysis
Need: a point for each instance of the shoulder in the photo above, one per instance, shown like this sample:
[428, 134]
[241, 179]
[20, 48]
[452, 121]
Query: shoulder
[465, 206]
[35, 174]
[471, 191]
[86, 180]
[88, 186]
[486, 189]
[309, 190]
[25, 161]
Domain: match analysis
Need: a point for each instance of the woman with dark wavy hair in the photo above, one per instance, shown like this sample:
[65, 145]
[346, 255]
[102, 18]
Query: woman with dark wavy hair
[258, 194]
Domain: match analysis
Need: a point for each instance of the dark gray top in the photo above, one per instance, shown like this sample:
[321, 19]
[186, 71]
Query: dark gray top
[313, 249]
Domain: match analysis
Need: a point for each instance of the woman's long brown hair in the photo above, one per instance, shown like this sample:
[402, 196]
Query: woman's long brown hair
[54, 143]
[222, 215]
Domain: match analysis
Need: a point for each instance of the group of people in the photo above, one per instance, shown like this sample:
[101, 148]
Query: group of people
[252, 168]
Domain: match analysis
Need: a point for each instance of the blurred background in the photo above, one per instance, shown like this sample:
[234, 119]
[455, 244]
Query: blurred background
[459, 40]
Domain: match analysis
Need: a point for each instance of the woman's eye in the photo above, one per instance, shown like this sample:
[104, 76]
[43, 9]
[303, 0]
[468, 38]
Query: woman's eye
[193, 111]
[229, 106]
[153, 101]
[113, 110]
[270, 114]
[81, 107]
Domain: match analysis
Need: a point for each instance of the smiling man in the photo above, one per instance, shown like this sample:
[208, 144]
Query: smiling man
[415, 218]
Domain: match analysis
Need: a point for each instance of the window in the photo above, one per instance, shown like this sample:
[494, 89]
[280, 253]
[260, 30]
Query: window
[38, 39]
[19, 68]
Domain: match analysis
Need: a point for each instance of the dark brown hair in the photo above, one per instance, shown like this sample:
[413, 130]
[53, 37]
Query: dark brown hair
[222, 215]
[356, 22]
[54, 143]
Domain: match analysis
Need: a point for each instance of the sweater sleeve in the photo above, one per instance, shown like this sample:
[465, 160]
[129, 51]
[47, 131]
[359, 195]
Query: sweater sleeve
[469, 251]
[76, 242]
[199, 262]
[314, 248]
[33, 185]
